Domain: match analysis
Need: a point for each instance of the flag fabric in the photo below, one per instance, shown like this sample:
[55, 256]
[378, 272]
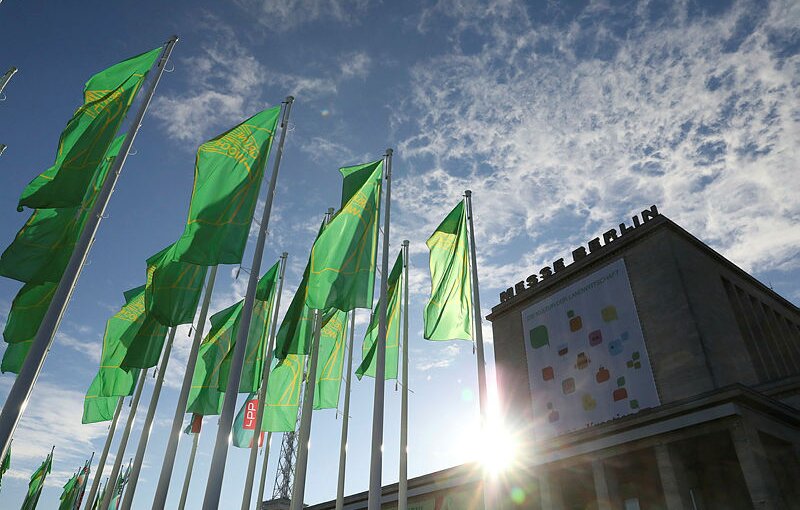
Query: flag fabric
[448, 312]
[204, 396]
[27, 311]
[370, 345]
[228, 174]
[244, 426]
[173, 288]
[100, 495]
[195, 425]
[122, 329]
[107, 97]
[5, 464]
[42, 248]
[210, 378]
[143, 342]
[294, 334]
[69, 494]
[119, 488]
[83, 479]
[97, 408]
[283, 394]
[332, 344]
[257, 337]
[22, 324]
[342, 264]
[36, 483]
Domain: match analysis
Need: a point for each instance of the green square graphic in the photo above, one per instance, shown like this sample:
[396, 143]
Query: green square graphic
[539, 337]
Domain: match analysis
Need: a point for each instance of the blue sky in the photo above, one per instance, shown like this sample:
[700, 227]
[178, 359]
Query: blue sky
[564, 118]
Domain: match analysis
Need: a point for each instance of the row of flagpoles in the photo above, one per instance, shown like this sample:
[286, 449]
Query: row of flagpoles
[323, 300]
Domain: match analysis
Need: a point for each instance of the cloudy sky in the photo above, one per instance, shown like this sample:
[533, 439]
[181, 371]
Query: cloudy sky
[564, 118]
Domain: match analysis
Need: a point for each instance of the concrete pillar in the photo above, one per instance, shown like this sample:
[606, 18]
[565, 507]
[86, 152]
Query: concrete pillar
[758, 477]
[601, 489]
[669, 479]
[550, 491]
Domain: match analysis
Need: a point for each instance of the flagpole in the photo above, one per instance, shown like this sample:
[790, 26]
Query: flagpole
[123, 442]
[301, 464]
[264, 471]
[214, 485]
[188, 478]
[402, 485]
[262, 391]
[127, 501]
[160, 498]
[376, 457]
[488, 489]
[7, 78]
[345, 417]
[17, 398]
[101, 464]
[78, 503]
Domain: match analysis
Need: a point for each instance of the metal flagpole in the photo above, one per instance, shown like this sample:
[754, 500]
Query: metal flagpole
[7, 78]
[488, 492]
[402, 486]
[262, 392]
[214, 485]
[345, 417]
[376, 457]
[160, 498]
[476, 310]
[17, 398]
[299, 488]
[188, 478]
[127, 501]
[123, 442]
[264, 472]
[101, 464]
[301, 464]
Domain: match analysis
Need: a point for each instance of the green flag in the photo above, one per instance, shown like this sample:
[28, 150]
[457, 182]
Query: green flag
[255, 352]
[370, 345]
[448, 313]
[119, 488]
[173, 288]
[36, 484]
[294, 334]
[83, 478]
[244, 426]
[107, 97]
[27, 310]
[342, 264]
[70, 494]
[283, 394]
[14, 357]
[122, 329]
[42, 248]
[97, 408]
[5, 464]
[228, 174]
[332, 344]
[204, 396]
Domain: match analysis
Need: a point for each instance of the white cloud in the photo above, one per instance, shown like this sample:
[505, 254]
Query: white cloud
[437, 355]
[288, 14]
[355, 65]
[562, 132]
[91, 348]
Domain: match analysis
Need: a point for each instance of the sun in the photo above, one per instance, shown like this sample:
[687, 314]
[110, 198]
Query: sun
[497, 448]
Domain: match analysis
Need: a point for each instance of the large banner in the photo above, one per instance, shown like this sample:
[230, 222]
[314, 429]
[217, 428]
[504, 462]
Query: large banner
[587, 358]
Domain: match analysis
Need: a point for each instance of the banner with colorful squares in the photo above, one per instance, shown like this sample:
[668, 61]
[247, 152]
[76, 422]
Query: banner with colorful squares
[587, 358]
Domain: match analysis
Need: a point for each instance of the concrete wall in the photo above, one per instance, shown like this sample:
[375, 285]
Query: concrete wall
[690, 328]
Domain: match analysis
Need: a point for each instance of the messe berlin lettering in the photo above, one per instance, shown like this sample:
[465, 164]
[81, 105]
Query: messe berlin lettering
[579, 254]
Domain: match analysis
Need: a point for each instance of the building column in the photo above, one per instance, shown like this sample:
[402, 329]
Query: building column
[601, 488]
[669, 479]
[758, 476]
[550, 491]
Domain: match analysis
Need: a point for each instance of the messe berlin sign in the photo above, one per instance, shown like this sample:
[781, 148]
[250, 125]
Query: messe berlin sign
[587, 357]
